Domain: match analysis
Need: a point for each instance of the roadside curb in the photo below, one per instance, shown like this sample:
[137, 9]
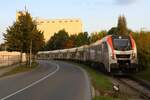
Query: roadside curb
[91, 89]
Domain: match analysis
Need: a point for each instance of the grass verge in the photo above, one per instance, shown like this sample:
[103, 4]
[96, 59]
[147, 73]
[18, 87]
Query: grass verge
[3, 67]
[7, 66]
[19, 69]
[101, 84]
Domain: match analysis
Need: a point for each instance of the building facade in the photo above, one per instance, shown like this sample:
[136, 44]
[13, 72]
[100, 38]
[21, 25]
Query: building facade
[49, 27]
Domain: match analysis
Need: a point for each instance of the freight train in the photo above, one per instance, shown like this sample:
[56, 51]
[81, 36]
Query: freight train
[115, 52]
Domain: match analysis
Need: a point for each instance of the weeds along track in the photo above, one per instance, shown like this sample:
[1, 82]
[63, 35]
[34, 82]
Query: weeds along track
[136, 85]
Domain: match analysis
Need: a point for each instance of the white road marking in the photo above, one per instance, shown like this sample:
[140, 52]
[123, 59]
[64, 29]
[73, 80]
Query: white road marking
[34, 83]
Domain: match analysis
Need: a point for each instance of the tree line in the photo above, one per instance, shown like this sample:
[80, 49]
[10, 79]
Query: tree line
[62, 40]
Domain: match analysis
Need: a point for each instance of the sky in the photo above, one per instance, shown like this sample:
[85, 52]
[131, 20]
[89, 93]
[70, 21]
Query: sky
[96, 15]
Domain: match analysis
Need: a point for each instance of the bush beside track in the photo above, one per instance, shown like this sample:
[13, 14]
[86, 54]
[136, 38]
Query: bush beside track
[143, 48]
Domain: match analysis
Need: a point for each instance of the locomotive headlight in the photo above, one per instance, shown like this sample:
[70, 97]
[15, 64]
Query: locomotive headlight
[113, 56]
[133, 55]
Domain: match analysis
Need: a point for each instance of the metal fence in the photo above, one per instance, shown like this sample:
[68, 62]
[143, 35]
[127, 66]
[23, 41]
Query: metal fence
[10, 58]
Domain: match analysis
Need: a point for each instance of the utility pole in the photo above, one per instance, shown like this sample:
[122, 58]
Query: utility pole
[31, 53]
[31, 48]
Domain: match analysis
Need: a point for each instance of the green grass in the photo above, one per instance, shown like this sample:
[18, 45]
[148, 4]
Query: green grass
[20, 69]
[3, 67]
[145, 74]
[100, 81]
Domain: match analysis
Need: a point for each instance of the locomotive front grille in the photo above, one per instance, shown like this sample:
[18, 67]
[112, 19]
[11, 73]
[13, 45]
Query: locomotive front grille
[122, 55]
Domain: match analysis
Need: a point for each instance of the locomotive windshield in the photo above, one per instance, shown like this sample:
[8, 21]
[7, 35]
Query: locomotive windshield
[121, 44]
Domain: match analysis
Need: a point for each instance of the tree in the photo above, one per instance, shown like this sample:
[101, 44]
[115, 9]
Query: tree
[13, 38]
[97, 36]
[37, 42]
[71, 42]
[102, 33]
[94, 37]
[24, 34]
[113, 30]
[122, 26]
[2, 47]
[57, 41]
[62, 40]
[82, 39]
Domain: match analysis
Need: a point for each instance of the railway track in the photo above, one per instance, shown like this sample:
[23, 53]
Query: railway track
[136, 86]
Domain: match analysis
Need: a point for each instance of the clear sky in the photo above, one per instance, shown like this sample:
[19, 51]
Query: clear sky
[96, 15]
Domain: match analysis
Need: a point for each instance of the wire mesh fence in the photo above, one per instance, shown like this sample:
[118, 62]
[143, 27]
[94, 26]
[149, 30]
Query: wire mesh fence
[10, 58]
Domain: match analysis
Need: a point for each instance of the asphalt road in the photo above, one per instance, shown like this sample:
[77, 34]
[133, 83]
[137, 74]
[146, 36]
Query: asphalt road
[53, 80]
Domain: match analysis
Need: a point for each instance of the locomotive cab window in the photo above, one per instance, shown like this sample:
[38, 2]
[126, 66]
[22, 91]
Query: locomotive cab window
[122, 44]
